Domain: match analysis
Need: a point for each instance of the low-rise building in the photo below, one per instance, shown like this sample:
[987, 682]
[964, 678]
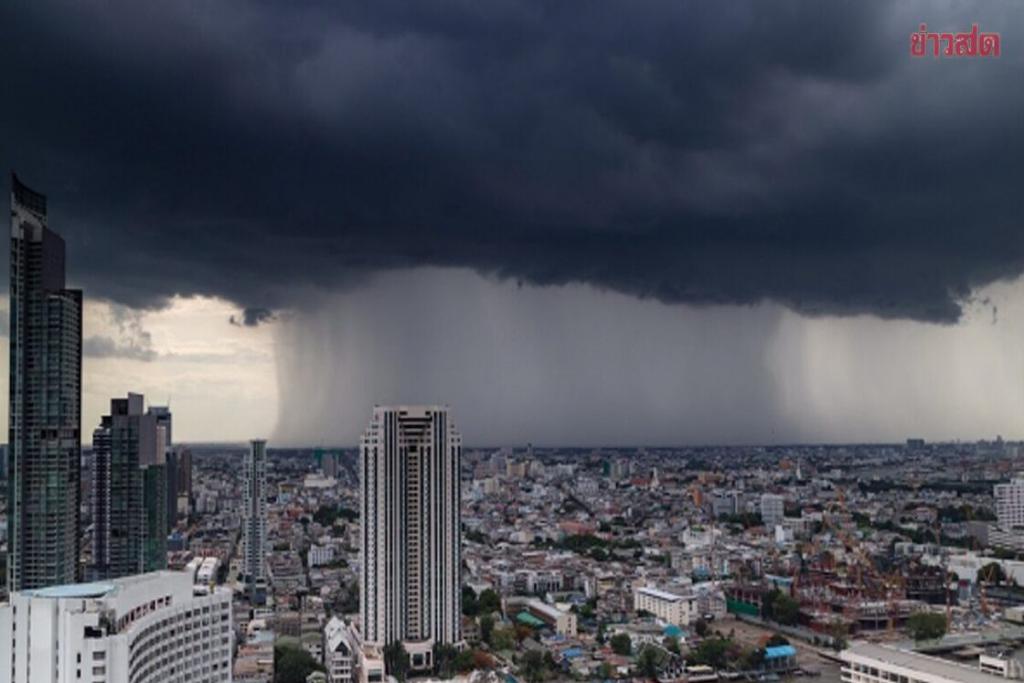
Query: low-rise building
[869, 663]
[339, 652]
[672, 608]
[562, 621]
[126, 629]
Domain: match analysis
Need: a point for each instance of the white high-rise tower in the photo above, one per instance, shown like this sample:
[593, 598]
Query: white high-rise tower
[254, 521]
[411, 554]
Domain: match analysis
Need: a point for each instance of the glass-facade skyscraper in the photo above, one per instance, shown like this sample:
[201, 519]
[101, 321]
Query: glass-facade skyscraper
[164, 421]
[45, 402]
[129, 498]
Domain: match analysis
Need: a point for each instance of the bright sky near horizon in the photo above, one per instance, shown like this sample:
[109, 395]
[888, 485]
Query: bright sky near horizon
[522, 364]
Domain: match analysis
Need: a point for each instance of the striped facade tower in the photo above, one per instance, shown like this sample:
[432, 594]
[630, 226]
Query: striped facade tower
[254, 522]
[411, 539]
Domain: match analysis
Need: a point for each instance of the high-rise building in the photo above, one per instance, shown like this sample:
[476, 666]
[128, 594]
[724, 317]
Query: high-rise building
[182, 462]
[150, 627]
[411, 554]
[254, 521]
[154, 504]
[45, 385]
[1010, 503]
[184, 458]
[128, 492]
[772, 509]
[163, 421]
[329, 464]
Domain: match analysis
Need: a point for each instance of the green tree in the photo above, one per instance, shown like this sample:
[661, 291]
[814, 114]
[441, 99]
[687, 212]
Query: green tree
[605, 671]
[396, 660]
[754, 660]
[486, 628]
[347, 600]
[444, 660]
[786, 609]
[470, 607]
[532, 666]
[464, 661]
[292, 664]
[768, 603]
[701, 627]
[489, 602]
[503, 638]
[991, 573]
[712, 652]
[926, 625]
[622, 644]
[649, 661]
[325, 515]
[671, 644]
[838, 633]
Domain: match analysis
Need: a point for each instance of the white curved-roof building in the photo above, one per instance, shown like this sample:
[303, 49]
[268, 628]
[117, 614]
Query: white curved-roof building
[137, 629]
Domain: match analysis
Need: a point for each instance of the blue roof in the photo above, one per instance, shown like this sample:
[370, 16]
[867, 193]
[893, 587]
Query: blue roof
[779, 651]
[573, 653]
[74, 590]
[672, 631]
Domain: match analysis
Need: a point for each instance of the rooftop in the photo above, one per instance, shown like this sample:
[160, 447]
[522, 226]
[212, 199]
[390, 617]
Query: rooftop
[73, 590]
[906, 659]
[662, 595]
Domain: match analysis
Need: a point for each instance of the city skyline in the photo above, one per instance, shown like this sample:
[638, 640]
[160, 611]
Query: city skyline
[512, 341]
[621, 213]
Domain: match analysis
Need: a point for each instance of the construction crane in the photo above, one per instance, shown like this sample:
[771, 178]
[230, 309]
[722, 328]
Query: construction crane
[985, 580]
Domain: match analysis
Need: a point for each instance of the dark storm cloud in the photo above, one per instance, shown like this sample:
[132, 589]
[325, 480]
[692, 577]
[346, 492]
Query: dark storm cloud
[700, 152]
[252, 317]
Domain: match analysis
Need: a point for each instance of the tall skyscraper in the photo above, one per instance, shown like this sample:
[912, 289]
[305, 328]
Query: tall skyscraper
[184, 457]
[128, 492]
[163, 420]
[183, 461]
[45, 402]
[411, 554]
[154, 504]
[254, 521]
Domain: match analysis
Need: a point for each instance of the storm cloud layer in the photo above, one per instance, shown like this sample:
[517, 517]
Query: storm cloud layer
[693, 152]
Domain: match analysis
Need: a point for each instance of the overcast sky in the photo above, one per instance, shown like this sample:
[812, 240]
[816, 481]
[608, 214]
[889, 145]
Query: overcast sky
[613, 222]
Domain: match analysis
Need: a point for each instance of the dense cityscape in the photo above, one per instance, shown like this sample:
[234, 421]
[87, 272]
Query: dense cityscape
[133, 557]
